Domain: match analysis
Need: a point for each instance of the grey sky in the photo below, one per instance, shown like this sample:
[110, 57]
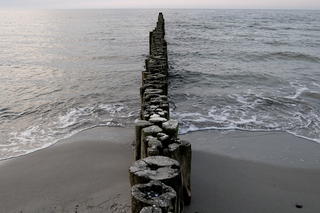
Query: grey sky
[225, 4]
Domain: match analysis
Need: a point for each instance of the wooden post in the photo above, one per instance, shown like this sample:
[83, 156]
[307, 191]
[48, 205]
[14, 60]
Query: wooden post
[156, 119]
[181, 152]
[154, 193]
[151, 209]
[139, 125]
[150, 42]
[171, 128]
[159, 168]
[145, 132]
[154, 146]
[153, 92]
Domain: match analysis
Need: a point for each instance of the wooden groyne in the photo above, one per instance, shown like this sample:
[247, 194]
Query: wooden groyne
[160, 173]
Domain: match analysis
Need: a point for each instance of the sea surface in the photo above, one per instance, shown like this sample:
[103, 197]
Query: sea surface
[63, 71]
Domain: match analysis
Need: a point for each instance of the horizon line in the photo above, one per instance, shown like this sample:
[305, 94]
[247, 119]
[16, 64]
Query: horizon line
[154, 8]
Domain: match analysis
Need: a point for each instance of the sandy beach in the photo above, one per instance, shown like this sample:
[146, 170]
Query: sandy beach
[85, 173]
[233, 171]
[241, 171]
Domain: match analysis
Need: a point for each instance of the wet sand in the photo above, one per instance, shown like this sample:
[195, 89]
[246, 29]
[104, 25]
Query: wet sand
[254, 172]
[231, 172]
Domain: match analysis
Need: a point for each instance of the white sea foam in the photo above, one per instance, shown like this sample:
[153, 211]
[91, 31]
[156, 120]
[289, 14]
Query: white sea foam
[299, 90]
[315, 84]
[47, 132]
[254, 112]
[113, 108]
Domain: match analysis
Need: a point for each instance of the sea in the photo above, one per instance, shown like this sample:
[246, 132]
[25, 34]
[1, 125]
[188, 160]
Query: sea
[64, 71]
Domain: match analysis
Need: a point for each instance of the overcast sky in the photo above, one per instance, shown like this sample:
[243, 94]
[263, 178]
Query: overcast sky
[214, 4]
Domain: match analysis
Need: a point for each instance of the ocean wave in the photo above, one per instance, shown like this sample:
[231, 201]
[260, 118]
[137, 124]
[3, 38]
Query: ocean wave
[298, 92]
[52, 122]
[302, 92]
[276, 56]
[268, 28]
[249, 111]
[277, 43]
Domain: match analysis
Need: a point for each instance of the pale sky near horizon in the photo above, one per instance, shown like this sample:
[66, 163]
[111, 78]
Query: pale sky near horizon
[193, 4]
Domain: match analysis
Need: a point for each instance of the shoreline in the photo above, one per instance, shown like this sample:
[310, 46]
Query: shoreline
[276, 148]
[89, 173]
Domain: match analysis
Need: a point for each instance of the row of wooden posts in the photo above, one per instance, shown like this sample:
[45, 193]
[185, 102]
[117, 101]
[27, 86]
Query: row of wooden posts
[160, 173]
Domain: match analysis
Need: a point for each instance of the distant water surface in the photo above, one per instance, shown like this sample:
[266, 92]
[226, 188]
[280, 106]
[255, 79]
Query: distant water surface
[63, 71]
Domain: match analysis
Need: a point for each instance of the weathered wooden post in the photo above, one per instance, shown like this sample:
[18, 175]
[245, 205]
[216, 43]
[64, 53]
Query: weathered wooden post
[159, 168]
[150, 42]
[139, 125]
[181, 151]
[145, 132]
[156, 119]
[151, 209]
[171, 128]
[154, 146]
[154, 193]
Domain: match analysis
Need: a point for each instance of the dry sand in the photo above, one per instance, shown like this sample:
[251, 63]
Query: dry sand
[245, 172]
[86, 173]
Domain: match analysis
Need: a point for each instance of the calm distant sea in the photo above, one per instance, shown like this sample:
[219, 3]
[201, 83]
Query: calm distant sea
[63, 71]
